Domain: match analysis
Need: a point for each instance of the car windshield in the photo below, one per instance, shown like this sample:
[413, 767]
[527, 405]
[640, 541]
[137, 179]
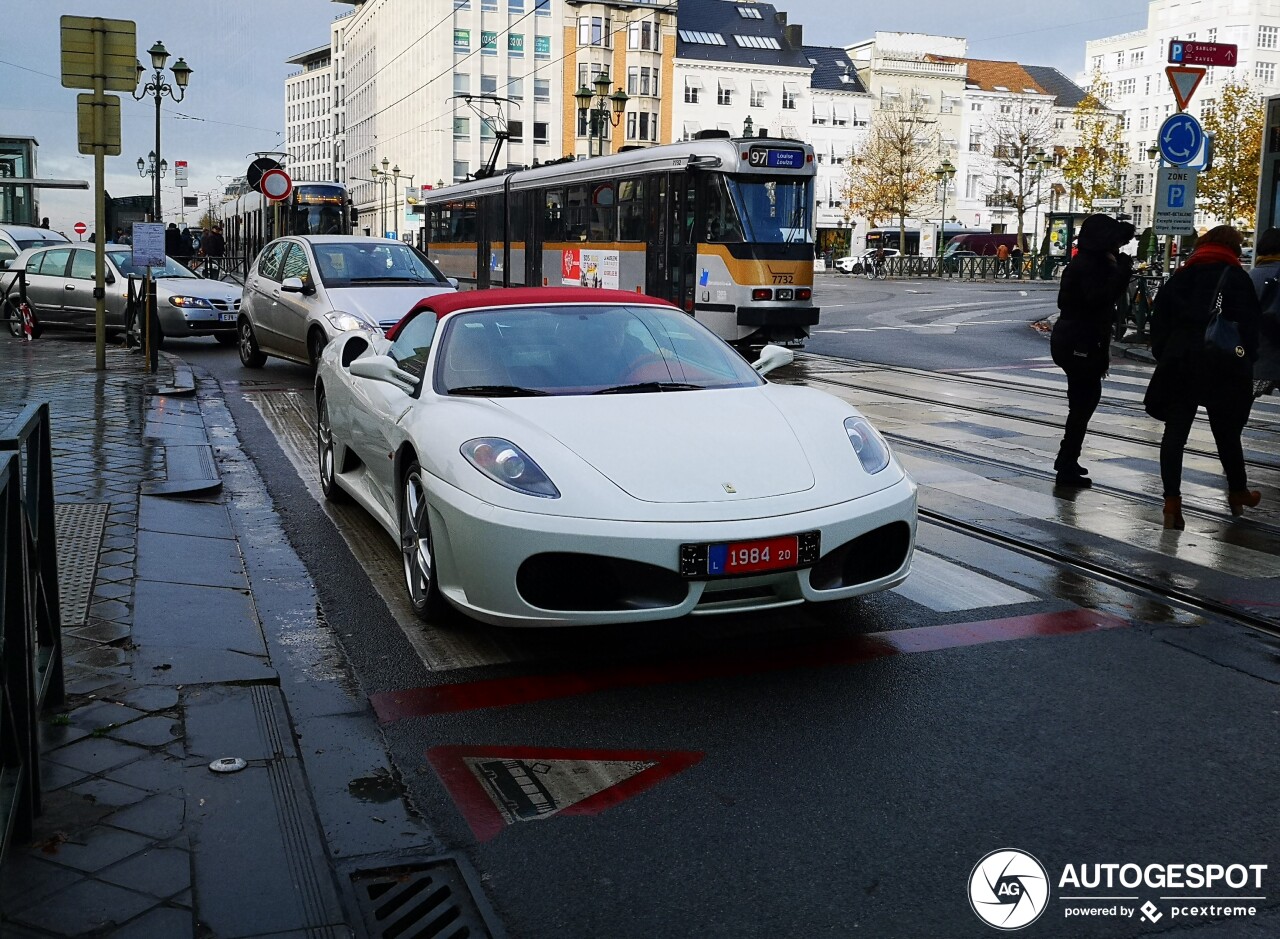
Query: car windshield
[123, 260]
[370, 263]
[579, 350]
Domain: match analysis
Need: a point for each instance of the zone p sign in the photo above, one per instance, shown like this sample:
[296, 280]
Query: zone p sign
[276, 185]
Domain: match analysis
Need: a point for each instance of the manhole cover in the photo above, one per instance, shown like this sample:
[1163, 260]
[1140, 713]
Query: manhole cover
[79, 529]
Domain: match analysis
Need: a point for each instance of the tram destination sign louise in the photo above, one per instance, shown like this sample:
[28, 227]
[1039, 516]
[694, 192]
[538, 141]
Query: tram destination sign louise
[776, 157]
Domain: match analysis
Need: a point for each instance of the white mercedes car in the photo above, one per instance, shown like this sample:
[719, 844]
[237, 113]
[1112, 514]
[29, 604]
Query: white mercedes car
[571, 456]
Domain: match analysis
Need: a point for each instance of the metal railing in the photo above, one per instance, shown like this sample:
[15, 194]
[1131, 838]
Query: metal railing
[980, 267]
[30, 615]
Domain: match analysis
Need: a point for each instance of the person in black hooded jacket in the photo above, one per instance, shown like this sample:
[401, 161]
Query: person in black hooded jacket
[1092, 283]
[1181, 311]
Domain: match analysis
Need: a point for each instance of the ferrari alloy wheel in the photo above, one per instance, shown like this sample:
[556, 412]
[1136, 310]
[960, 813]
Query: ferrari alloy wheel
[416, 548]
[250, 355]
[326, 452]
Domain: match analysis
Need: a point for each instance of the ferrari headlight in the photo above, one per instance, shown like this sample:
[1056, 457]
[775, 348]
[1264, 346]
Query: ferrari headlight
[344, 322]
[505, 463]
[188, 303]
[872, 451]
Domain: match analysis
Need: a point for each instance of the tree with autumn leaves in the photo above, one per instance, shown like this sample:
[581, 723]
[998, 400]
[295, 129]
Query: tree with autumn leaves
[1094, 167]
[892, 173]
[1228, 190]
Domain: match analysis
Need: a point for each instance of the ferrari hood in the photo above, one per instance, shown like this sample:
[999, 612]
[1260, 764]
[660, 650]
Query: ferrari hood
[680, 447]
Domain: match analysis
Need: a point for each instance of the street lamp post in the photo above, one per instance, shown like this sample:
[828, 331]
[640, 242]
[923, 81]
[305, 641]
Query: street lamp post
[943, 174]
[1153, 154]
[602, 109]
[157, 87]
[1040, 162]
[396, 176]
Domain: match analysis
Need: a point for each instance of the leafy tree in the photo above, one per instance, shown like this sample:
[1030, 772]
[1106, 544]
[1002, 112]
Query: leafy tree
[1017, 138]
[892, 173]
[1093, 170]
[1228, 190]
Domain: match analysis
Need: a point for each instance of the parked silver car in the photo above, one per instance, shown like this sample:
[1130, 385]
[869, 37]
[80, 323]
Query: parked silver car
[305, 290]
[14, 239]
[60, 292]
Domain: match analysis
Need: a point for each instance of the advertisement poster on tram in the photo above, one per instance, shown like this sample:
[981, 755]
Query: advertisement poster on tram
[585, 267]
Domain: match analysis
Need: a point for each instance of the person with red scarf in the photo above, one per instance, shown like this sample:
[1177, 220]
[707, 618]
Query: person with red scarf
[1181, 311]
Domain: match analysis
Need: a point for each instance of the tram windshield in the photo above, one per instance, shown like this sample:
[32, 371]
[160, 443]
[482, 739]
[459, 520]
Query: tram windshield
[319, 210]
[769, 211]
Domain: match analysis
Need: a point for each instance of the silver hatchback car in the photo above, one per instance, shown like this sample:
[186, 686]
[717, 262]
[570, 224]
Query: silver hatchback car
[305, 290]
[60, 292]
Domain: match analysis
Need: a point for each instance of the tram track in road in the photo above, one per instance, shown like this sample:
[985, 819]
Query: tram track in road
[1165, 593]
[1056, 395]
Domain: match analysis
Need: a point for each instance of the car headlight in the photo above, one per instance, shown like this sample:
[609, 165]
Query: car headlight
[343, 322]
[505, 463]
[872, 451]
[188, 303]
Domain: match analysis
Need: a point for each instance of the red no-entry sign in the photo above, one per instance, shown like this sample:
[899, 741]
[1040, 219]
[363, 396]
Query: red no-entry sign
[80, 228]
[276, 184]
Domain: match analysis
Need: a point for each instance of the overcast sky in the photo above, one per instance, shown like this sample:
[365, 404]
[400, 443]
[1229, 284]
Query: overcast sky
[237, 48]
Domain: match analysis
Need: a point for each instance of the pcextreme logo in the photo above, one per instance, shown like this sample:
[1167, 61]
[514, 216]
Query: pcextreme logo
[1008, 889]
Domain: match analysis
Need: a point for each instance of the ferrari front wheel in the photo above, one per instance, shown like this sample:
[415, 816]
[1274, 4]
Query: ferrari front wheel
[325, 451]
[416, 548]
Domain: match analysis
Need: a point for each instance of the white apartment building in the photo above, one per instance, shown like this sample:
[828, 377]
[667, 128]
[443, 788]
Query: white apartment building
[405, 70]
[925, 75]
[841, 116]
[308, 116]
[1006, 102]
[1133, 64]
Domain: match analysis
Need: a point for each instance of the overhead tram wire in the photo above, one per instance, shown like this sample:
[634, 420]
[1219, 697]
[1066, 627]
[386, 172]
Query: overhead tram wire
[550, 63]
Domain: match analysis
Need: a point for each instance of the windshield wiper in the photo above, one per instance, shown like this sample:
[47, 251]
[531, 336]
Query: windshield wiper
[643, 386]
[390, 280]
[497, 391]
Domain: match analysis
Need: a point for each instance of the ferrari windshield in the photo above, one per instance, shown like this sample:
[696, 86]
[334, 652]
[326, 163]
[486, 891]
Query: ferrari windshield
[583, 349]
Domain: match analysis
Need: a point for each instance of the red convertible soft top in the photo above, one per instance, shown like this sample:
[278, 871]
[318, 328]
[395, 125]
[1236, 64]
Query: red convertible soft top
[444, 303]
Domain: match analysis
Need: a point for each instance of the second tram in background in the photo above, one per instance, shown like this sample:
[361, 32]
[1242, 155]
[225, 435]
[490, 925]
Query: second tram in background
[250, 220]
[721, 227]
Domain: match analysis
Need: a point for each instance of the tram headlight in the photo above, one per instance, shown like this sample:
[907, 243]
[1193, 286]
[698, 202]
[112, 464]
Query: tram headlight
[872, 451]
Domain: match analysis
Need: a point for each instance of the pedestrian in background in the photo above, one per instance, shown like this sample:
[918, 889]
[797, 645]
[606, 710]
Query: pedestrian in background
[173, 246]
[1266, 283]
[214, 245]
[1092, 283]
[1016, 257]
[1181, 311]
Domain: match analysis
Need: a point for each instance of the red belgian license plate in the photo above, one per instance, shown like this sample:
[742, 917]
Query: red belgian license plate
[748, 557]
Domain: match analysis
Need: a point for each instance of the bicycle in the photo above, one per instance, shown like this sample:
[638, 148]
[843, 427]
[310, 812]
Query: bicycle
[18, 314]
[875, 271]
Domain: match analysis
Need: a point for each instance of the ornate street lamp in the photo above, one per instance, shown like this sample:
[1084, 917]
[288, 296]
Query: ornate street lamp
[943, 174]
[1040, 163]
[158, 88]
[602, 109]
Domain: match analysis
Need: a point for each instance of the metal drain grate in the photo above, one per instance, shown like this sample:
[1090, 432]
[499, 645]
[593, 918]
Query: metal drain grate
[420, 901]
[79, 531]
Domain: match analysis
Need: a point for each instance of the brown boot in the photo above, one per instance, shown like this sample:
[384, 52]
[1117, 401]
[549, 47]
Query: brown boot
[1173, 514]
[1239, 499]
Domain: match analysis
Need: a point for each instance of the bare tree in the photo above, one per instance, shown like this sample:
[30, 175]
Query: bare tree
[892, 173]
[1019, 132]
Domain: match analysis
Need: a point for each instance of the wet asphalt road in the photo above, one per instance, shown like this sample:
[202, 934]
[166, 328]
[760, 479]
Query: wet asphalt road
[836, 771]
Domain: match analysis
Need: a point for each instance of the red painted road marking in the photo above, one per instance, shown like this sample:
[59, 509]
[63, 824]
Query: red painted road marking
[503, 692]
[497, 786]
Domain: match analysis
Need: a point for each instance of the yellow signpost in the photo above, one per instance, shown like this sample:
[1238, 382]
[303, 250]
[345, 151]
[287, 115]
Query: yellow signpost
[100, 55]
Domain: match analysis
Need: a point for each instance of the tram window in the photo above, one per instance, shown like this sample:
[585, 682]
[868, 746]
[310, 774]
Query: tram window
[722, 217]
[553, 220]
[518, 220]
[631, 210]
[494, 220]
[604, 213]
[575, 214]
